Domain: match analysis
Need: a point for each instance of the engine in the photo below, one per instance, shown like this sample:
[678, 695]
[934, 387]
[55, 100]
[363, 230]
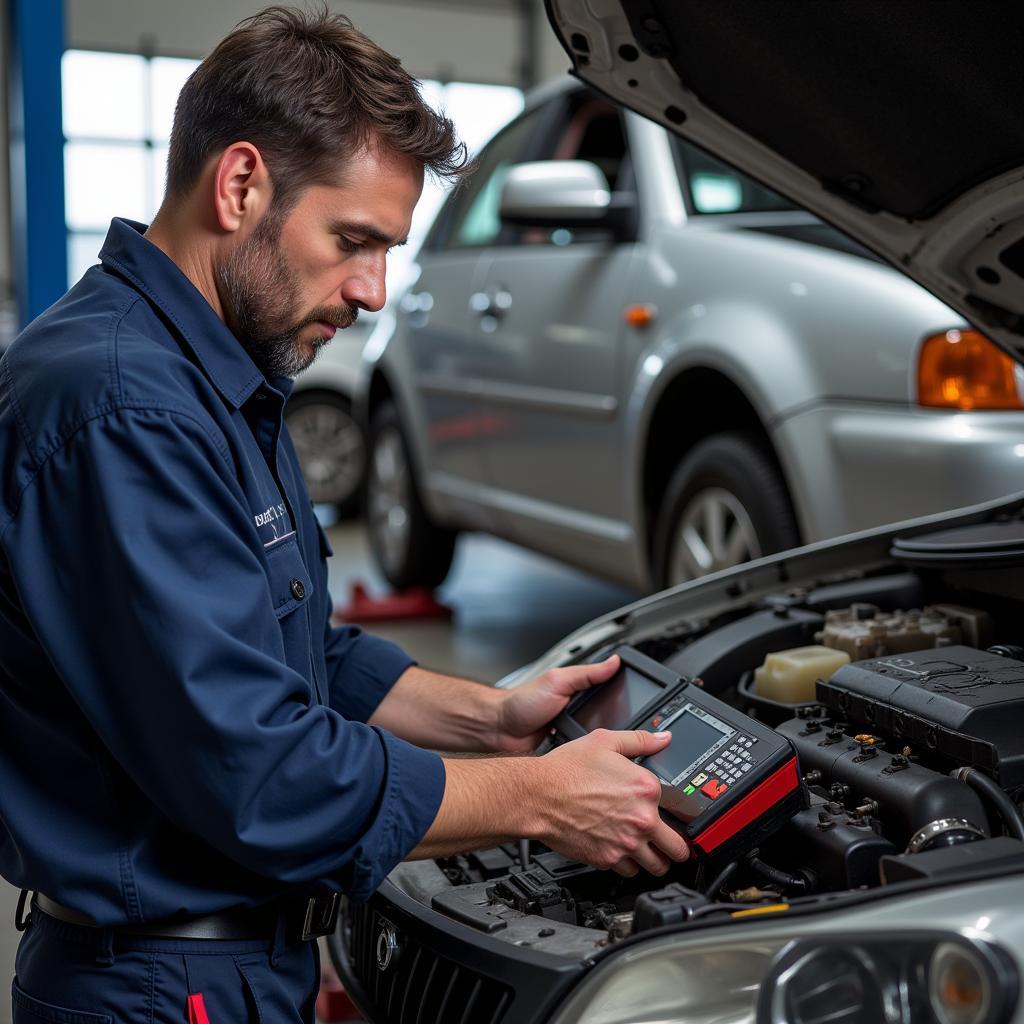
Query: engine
[906, 723]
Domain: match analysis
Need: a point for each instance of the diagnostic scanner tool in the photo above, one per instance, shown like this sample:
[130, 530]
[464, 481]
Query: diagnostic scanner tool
[727, 778]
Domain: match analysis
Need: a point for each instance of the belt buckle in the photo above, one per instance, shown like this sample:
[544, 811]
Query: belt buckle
[321, 916]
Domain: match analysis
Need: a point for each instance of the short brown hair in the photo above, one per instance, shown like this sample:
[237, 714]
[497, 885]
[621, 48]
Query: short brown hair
[305, 89]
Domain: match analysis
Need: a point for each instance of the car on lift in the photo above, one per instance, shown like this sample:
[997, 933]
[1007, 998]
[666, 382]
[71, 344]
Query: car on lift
[328, 437]
[890, 663]
[630, 356]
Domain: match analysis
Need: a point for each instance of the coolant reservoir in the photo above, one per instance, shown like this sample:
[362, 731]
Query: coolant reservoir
[789, 676]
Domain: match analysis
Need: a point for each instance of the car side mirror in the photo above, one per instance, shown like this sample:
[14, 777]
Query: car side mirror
[565, 194]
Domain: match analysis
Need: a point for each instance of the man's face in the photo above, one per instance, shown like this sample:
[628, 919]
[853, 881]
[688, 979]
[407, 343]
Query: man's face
[297, 279]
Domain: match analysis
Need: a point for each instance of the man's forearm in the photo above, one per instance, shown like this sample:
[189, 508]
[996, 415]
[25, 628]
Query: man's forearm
[487, 801]
[442, 712]
[587, 800]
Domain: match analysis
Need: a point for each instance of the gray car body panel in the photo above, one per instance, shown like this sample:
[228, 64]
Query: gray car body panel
[556, 401]
[942, 251]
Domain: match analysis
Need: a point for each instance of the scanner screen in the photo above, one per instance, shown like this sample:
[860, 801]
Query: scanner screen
[615, 704]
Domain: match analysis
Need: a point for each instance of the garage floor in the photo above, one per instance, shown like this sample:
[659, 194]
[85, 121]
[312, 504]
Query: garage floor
[510, 606]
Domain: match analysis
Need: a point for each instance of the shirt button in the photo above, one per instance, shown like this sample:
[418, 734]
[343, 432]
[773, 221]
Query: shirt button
[298, 590]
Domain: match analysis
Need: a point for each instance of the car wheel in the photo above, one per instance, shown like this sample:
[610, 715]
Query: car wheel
[330, 446]
[725, 504]
[410, 550]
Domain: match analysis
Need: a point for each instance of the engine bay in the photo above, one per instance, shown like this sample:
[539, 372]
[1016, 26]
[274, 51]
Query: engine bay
[901, 691]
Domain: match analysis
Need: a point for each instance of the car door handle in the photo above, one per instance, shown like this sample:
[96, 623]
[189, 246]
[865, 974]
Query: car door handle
[417, 302]
[494, 302]
[417, 306]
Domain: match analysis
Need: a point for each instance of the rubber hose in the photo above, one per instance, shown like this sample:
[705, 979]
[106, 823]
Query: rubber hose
[723, 876]
[786, 881]
[1008, 810]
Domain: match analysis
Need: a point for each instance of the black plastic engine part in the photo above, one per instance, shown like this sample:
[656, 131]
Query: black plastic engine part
[1007, 651]
[908, 795]
[838, 849]
[492, 863]
[723, 654]
[535, 892]
[551, 887]
[959, 704]
[672, 905]
[999, 854]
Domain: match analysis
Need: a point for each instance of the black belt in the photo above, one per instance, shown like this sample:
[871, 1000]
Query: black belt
[306, 920]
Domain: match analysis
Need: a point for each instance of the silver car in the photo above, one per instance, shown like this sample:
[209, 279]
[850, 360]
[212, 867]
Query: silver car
[889, 663]
[625, 354]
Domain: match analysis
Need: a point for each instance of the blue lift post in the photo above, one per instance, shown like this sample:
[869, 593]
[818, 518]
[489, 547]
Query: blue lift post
[37, 154]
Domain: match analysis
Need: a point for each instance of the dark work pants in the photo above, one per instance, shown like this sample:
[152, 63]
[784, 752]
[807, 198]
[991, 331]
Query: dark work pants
[66, 974]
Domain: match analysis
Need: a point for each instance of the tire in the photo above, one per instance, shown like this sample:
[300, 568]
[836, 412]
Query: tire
[410, 550]
[726, 503]
[331, 447]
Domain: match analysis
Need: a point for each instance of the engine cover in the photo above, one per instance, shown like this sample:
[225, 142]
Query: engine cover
[957, 704]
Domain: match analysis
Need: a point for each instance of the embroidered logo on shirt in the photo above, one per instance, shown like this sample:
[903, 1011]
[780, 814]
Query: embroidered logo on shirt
[276, 517]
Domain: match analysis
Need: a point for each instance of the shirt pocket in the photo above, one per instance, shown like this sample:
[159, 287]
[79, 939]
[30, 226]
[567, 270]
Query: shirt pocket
[291, 591]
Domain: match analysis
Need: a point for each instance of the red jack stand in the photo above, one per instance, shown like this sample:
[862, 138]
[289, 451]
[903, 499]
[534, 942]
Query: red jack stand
[416, 603]
[334, 1004]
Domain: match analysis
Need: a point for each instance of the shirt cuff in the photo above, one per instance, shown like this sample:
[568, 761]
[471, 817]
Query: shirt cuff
[412, 797]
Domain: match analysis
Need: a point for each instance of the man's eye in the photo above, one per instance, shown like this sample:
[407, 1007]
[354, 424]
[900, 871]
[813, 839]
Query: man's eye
[348, 244]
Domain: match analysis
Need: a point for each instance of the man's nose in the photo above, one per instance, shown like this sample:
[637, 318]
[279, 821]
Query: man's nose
[367, 289]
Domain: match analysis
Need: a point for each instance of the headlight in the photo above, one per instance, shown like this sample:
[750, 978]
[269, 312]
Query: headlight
[877, 978]
[707, 984]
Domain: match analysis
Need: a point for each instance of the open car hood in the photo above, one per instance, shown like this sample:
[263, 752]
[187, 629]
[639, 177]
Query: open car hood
[899, 123]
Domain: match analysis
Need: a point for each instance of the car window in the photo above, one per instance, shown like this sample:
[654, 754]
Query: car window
[472, 218]
[715, 187]
[581, 127]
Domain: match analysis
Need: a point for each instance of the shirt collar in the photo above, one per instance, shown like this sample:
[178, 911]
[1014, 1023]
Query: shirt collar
[156, 275]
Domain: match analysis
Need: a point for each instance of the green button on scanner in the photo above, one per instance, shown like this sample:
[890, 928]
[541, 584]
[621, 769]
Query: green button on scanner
[689, 790]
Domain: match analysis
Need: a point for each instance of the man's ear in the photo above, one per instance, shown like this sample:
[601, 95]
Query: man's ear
[241, 187]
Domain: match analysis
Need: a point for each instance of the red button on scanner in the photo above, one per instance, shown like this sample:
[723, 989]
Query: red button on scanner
[713, 788]
[657, 720]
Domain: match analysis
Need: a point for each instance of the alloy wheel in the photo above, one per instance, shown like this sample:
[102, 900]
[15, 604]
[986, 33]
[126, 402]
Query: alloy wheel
[389, 497]
[714, 532]
[331, 451]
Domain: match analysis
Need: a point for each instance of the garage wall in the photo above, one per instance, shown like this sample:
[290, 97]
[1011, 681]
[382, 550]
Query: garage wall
[444, 39]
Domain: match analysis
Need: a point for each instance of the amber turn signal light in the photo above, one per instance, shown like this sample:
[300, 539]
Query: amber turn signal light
[964, 370]
[640, 316]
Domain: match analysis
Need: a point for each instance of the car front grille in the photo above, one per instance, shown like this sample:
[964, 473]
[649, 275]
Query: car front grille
[419, 985]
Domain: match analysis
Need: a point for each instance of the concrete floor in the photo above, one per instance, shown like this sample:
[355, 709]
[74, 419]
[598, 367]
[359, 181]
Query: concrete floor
[510, 605]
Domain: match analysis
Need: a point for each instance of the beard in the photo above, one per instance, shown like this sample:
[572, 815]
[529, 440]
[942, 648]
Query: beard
[259, 291]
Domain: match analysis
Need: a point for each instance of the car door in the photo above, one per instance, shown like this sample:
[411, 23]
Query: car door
[444, 360]
[550, 329]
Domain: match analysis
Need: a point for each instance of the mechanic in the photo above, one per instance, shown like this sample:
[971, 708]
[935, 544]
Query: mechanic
[193, 762]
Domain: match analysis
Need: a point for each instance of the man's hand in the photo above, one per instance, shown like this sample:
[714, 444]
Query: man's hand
[601, 808]
[586, 799]
[527, 710]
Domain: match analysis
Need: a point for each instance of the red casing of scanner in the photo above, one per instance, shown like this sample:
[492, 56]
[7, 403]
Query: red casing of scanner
[775, 788]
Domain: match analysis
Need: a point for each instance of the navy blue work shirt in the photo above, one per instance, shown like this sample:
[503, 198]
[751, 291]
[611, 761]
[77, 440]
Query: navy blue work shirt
[181, 729]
